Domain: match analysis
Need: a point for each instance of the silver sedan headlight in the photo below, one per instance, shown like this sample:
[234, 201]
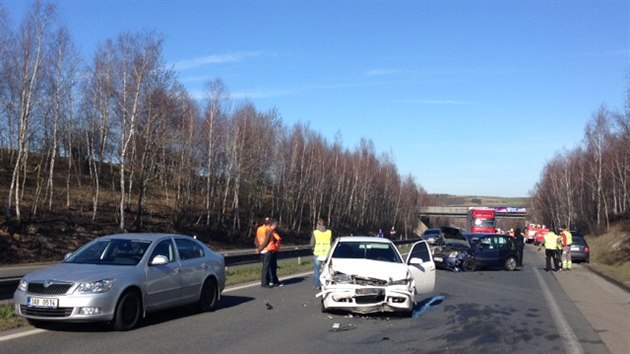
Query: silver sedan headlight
[97, 287]
[23, 285]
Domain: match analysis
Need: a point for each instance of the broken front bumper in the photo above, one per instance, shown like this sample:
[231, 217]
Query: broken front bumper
[367, 299]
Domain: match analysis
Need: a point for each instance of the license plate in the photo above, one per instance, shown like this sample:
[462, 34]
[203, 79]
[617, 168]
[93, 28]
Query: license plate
[438, 259]
[368, 291]
[575, 248]
[42, 302]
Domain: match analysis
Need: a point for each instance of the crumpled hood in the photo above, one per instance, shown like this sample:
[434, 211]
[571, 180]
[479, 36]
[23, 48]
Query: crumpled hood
[370, 269]
[72, 272]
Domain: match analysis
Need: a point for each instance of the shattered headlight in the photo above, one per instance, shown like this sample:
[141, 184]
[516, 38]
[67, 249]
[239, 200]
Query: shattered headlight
[342, 278]
[399, 281]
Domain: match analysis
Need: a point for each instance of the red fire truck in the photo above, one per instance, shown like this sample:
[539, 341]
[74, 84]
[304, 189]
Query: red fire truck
[481, 220]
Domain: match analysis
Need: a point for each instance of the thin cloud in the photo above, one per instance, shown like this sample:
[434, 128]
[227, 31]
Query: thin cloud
[214, 59]
[441, 102]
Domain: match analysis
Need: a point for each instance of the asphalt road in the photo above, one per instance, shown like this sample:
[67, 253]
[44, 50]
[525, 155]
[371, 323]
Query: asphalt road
[483, 312]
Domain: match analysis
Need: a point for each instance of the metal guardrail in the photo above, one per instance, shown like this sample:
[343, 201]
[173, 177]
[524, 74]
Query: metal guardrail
[8, 284]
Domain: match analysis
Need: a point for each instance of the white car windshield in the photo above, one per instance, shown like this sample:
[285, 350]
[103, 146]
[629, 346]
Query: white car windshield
[377, 251]
[111, 252]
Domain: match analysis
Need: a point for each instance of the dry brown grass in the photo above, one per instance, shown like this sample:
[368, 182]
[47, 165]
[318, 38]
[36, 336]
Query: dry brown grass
[610, 252]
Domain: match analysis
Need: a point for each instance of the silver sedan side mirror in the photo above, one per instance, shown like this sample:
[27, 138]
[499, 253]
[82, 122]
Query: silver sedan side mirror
[159, 260]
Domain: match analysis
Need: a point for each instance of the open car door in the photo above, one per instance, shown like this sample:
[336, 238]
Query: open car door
[421, 266]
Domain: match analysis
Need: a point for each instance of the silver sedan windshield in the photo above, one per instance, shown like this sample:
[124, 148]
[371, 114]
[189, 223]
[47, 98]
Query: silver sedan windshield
[111, 252]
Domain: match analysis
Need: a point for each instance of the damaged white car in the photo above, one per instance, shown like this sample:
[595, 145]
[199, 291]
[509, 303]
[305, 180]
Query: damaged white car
[367, 274]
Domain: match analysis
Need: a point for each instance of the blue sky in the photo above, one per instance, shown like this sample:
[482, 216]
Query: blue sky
[470, 97]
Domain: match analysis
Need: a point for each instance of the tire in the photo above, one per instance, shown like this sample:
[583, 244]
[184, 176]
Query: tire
[209, 296]
[322, 307]
[510, 264]
[469, 265]
[128, 311]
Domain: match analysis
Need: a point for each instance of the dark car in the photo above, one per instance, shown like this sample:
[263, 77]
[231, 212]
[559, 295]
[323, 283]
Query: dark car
[433, 236]
[580, 251]
[453, 251]
[493, 251]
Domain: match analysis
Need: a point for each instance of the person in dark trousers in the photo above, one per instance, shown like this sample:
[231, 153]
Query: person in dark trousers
[274, 249]
[264, 245]
[551, 246]
[520, 245]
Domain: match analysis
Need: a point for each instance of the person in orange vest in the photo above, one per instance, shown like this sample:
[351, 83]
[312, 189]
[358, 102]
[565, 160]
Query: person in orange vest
[264, 243]
[274, 249]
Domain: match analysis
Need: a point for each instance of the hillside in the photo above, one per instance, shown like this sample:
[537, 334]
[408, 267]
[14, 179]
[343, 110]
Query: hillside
[610, 252]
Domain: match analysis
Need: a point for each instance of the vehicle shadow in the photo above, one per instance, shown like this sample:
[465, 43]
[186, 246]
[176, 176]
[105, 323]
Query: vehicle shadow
[152, 319]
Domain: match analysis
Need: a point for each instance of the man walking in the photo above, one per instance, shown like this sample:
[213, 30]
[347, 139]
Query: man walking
[320, 243]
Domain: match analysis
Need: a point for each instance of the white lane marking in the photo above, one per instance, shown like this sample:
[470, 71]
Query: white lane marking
[22, 334]
[568, 337]
[227, 290]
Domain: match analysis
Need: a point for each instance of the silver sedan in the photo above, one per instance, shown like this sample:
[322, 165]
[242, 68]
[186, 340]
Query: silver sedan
[120, 278]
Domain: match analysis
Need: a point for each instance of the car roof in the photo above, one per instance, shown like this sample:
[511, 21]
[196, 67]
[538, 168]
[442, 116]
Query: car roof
[140, 236]
[477, 234]
[363, 239]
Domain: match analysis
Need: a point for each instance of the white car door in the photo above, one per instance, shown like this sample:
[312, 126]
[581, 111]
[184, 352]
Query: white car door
[421, 266]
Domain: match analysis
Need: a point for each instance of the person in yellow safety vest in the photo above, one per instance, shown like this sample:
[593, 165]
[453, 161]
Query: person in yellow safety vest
[263, 245]
[567, 241]
[551, 246]
[320, 243]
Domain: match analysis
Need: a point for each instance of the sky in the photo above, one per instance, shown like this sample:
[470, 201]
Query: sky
[469, 97]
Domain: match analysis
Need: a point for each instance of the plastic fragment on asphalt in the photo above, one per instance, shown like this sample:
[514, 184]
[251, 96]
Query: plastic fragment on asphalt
[268, 305]
[338, 328]
[436, 300]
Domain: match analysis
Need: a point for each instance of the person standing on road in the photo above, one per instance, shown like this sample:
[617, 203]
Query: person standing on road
[520, 245]
[380, 233]
[551, 244]
[320, 243]
[263, 245]
[274, 249]
[392, 233]
[567, 241]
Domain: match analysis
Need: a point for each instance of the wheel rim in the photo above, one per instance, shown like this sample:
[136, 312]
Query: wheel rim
[511, 264]
[129, 313]
[208, 296]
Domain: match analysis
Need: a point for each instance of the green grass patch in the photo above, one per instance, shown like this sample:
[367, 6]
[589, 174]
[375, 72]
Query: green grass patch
[8, 319]
[239, 275]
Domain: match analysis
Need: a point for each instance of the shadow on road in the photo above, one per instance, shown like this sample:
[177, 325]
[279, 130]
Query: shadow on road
[152, 319]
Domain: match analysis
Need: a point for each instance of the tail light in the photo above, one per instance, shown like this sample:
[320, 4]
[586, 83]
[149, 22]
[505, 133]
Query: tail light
[586, 250]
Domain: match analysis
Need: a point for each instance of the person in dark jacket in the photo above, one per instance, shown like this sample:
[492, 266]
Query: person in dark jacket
[520, 245]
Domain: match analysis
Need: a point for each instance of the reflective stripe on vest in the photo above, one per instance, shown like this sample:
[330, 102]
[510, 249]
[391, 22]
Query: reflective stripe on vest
[322, 243]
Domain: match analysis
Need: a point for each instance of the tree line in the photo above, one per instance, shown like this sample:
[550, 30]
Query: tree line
[588, 186]
[121, 122]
